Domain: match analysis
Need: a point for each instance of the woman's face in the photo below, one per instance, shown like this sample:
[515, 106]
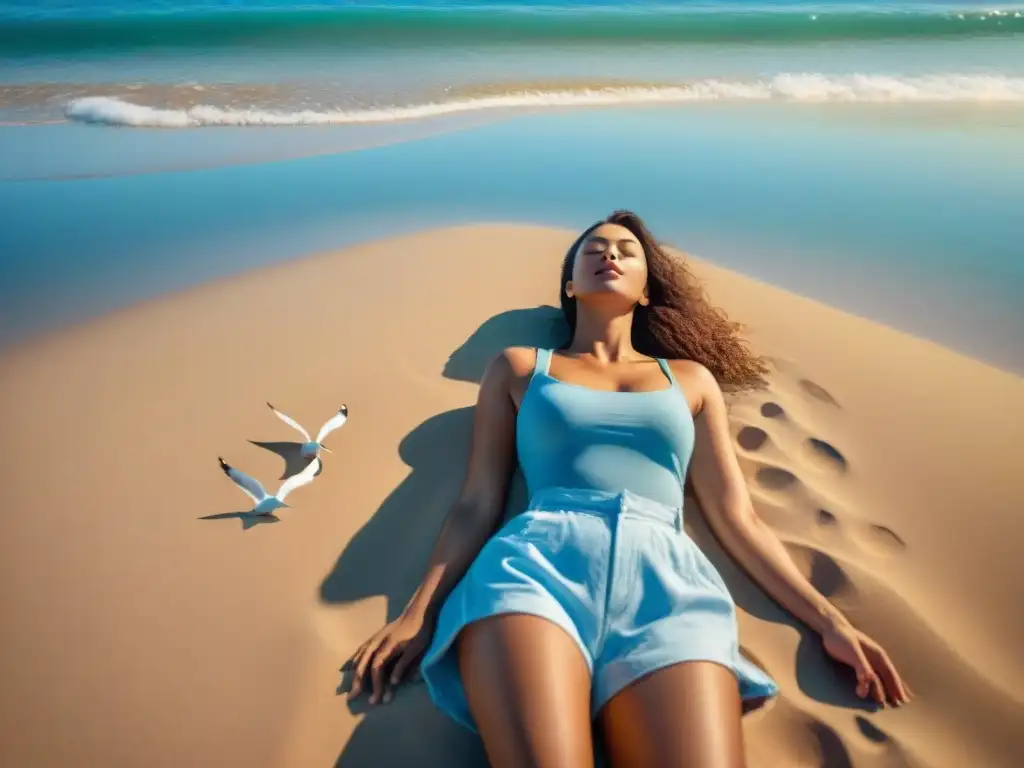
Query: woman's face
[610, 263]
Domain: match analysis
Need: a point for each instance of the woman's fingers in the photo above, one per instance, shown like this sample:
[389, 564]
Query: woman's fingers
[352, 660]
[870, 687]
[879, 691]
[401, 666]
[375, 659]
[897, 691]
[409, 655]
[377, 667]
[359, 673]
[867, 681]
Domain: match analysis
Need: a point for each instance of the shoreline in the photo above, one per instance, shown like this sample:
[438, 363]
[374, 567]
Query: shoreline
[125, 310]
[129, 539]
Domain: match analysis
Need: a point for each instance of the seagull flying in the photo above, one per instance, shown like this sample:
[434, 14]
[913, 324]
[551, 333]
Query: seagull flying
[265, 503]
[311, 448]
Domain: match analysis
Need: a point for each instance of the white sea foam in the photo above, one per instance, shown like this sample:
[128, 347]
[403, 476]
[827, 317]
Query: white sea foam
[803, 88]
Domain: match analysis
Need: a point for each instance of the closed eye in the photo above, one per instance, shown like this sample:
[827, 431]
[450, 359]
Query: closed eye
[598, 246]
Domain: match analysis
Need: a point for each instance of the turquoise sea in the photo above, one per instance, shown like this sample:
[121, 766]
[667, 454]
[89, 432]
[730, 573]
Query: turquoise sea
[868, 154]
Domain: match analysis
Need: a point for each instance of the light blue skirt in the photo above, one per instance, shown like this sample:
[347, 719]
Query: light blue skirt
[617, 573]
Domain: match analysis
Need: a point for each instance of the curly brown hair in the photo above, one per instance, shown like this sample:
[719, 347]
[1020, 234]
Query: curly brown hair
[679, 322]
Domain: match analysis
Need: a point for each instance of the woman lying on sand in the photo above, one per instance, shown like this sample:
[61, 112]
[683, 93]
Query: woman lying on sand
[594, 604]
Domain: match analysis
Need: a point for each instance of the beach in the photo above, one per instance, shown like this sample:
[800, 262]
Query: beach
[148, 623]
[207, 206]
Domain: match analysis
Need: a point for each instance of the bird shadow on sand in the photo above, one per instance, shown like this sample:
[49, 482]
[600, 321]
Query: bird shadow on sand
[388, 557]
[291, 454]
[294, 464]
[249, 520]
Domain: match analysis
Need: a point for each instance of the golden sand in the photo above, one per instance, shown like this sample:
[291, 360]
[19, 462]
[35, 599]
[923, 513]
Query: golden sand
[145, 624]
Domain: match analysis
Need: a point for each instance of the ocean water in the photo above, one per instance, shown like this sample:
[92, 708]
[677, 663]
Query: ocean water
[870, 154]
[146, 63]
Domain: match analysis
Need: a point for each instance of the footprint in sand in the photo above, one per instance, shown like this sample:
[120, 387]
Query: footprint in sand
[824, 455]
[819, 453]
[751, 438]
[879, 540]
[826, 519]
[817, 391]
[775, 478]
[789, 369]
[874, 539]
[799, 460]
[827, 529]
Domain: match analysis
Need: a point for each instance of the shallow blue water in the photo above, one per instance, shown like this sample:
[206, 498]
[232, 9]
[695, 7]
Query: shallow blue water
[920, 229]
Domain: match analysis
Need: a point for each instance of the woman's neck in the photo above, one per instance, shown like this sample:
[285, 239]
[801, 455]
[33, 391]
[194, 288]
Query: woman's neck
[607, 337]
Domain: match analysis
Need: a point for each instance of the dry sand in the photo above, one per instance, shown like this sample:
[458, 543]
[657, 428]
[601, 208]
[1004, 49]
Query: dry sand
[146, 625]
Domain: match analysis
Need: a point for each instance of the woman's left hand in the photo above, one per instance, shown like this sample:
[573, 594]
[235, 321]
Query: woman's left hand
[876, 675]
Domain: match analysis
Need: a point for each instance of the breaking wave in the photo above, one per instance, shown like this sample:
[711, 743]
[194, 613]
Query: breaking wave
[794, 88]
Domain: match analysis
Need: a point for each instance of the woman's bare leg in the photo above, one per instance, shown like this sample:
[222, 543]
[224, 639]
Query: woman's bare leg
[528, 687]
[683, 716]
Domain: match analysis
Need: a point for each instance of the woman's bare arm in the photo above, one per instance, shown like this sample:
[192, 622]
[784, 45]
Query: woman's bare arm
[481, 501]
[722, 491]
[391, 651]
[723, 495]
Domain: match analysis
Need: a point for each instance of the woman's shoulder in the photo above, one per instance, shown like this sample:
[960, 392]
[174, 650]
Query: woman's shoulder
[516, 361]
[692, 373]
[509, 373]
[687, 367]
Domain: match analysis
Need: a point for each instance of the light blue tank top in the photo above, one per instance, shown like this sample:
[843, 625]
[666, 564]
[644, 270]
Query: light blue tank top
[570, 436]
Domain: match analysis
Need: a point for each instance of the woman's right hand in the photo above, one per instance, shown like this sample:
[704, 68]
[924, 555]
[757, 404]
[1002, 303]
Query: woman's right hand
[390, 652]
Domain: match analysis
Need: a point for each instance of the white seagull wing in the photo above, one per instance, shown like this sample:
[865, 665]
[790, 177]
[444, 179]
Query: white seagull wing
[248, 484]
[297, 481]
[332, 424]
[290, 422]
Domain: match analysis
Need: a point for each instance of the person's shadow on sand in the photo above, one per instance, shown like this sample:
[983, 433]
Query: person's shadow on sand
[388, 557]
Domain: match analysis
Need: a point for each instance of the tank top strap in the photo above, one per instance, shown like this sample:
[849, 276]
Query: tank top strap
[663, 364]
[543, 363]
